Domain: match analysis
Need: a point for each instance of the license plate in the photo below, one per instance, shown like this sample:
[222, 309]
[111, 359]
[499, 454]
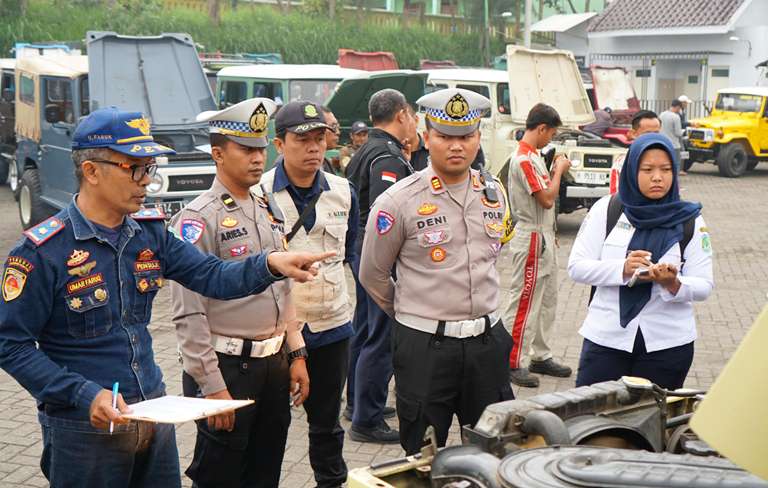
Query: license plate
[684, 155]
[591, 178]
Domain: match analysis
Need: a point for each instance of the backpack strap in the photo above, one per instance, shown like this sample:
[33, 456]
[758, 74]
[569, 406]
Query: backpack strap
[615, 208]
[688, 228]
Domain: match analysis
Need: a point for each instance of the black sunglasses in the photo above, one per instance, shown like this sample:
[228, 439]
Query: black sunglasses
[137, 170]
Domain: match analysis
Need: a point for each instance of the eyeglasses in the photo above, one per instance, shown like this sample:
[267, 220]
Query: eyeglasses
[335, 128]
[137, 170]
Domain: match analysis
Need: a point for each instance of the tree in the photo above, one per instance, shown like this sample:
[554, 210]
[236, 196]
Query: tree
[214, 12]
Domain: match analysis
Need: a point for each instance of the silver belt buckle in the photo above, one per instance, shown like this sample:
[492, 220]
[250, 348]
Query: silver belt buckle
[468, 329]
[231, 346]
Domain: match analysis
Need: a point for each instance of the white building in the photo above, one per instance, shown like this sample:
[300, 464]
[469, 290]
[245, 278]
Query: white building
[674, 47]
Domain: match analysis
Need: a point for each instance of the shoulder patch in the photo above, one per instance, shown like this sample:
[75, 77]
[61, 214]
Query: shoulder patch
[44, 230]
[149, 213]
[191, 230]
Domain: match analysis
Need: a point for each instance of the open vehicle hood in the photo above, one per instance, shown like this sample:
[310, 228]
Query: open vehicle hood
[551, 77]
[160, 76]
[350, 100]
[614, 89]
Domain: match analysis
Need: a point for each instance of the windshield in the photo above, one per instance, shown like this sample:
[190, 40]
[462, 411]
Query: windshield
[317, 91]
[734, 102]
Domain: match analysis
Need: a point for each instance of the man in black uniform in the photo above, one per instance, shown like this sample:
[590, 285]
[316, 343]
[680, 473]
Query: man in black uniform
[376, 166]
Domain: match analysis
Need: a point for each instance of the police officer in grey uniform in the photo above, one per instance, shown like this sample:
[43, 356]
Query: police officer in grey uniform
[251, 348]
[441, 229]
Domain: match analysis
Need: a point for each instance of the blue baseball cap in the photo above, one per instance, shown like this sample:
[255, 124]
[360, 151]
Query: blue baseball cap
[125, 132]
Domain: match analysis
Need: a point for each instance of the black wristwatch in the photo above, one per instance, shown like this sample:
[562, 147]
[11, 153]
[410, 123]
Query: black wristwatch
[298, 353]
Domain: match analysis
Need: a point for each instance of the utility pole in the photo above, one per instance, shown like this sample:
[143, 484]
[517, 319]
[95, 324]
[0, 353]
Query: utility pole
[486, 35]
[528, 14]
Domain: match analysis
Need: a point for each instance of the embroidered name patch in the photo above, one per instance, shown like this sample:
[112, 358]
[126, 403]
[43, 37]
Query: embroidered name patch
[83, 283]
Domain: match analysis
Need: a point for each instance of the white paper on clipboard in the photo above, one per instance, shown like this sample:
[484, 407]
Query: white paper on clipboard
[177, 409]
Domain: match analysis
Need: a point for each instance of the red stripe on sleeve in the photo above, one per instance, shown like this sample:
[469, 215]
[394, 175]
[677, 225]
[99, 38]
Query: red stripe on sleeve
[530, 176]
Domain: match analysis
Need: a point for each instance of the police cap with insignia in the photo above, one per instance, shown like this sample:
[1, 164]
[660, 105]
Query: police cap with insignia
[358, 127]
[454, 111]
[244, 123]
[300, 117]
[125, 132]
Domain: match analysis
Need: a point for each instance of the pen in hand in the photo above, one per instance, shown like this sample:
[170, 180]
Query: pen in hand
[114, 404]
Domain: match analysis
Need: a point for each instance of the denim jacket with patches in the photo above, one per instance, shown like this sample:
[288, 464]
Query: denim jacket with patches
[87, 305]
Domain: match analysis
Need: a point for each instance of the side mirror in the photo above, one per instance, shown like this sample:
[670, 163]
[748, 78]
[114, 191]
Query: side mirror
[53, 114]
[8, 95]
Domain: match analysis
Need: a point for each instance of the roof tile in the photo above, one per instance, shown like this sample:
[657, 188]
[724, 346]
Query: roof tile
[660, 14]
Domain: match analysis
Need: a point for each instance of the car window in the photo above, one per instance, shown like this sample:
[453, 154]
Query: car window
[27, 89]
[735, 102]
[502, 98]
[481, 89]
[433, 87]
[317, 91]
[58, 100]
[8, 83]
[85, 97]
[232, 92]
[268, 90]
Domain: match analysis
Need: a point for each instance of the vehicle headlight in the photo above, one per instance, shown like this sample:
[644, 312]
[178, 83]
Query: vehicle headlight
[155, 184]
[719, 133]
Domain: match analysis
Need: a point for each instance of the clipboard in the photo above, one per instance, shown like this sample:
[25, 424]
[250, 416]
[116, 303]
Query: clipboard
[172, 409]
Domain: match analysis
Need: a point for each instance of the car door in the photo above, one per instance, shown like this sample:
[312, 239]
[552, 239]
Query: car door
[58, 120]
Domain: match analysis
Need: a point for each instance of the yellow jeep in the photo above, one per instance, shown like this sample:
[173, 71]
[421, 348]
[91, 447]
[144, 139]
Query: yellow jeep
[735, 134]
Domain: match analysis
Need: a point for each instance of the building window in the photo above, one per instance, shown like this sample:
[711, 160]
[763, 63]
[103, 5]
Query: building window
[693, 79]
[27, 90]
[720, 73]
[642, 73]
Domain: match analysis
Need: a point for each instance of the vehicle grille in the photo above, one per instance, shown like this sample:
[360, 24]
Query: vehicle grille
[598, 161]
[190, 182]
[696, 134]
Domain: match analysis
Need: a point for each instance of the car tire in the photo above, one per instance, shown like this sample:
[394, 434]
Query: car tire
[14, 181]
[732, 160]
[32, 208]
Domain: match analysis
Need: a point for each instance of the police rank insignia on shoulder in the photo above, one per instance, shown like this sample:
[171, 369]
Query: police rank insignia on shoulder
[44, 230]
[384, 222]
[457, 107]
[436, 183]
[192, 230]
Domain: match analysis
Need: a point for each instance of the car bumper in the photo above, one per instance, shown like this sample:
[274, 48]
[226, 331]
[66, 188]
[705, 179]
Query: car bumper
[586, 191]
[700, 154]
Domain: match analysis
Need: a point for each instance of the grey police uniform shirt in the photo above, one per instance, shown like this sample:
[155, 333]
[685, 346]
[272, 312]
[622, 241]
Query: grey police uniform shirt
[444, 249]
[231, 232]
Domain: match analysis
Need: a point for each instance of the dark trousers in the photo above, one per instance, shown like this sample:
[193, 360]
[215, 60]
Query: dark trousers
[371, 359]
[437, 377]
[667, 368]
[252, 454]
[327, 366]
[359, 323]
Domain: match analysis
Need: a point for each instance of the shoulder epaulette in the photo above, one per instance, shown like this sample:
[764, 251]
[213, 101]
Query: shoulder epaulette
[149, 213]
[44, 230]
[201, 202]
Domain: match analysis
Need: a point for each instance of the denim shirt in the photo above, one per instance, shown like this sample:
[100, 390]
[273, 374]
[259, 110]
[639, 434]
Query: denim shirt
[87, 304]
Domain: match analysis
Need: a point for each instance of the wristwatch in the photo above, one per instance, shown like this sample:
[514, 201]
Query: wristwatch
[298, 353]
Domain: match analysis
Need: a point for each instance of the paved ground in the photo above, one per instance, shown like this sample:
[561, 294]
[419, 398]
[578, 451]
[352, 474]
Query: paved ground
[736, 214]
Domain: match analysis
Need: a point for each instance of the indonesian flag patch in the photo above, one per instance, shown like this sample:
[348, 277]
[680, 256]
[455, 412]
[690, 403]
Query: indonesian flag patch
[389, 176]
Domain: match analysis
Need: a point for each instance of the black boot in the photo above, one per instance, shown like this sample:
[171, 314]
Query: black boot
[550, 367]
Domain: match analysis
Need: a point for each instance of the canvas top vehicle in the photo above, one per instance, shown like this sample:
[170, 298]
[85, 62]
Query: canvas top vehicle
[159, 76]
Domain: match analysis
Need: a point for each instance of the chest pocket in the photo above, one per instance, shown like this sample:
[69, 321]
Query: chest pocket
[333, 240]
[147, 282]
[88, 312]
[493, 222]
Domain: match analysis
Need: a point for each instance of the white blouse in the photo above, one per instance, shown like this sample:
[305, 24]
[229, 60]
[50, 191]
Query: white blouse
[666, 320]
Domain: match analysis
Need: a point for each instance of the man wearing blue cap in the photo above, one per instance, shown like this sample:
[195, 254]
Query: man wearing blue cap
[77, 298]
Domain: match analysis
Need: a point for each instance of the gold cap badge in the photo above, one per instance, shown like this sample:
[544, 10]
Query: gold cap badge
[457, 107]
[259, 119]
[310, 110]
